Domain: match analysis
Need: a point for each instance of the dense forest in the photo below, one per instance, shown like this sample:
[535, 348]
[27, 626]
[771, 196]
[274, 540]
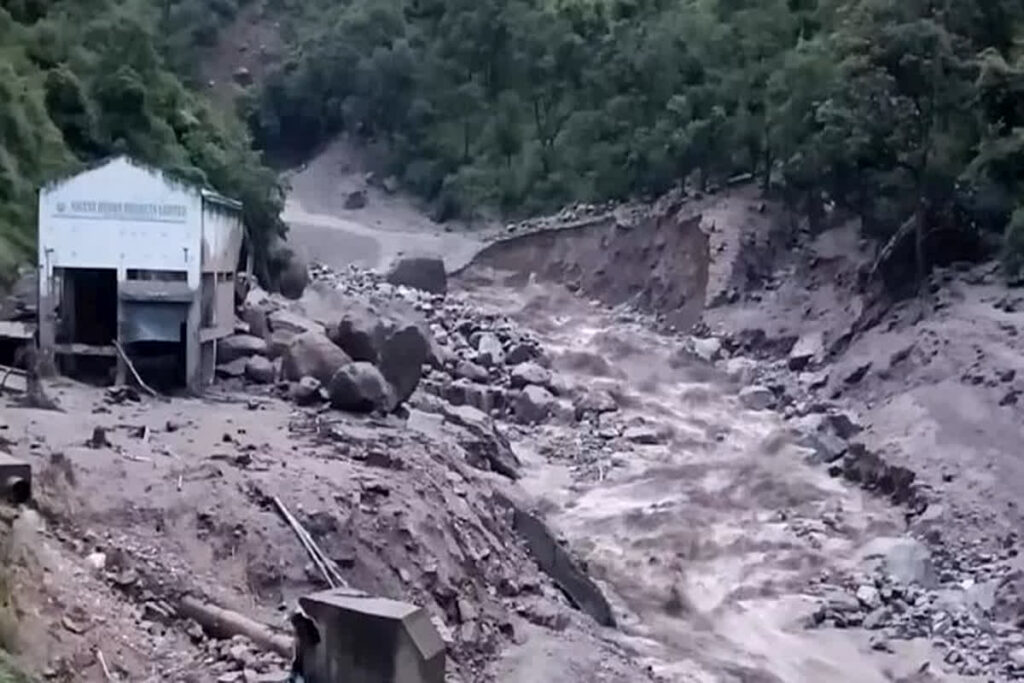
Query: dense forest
[83, 79]
[909, 113]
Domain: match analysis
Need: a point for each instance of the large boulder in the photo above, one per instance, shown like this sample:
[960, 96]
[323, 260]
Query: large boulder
[533, 405]
[294, 278]
[360, 387]
[426, 273]
[906, 560]
[361, 333]
[402, 358]
[529, 373]
[260, 370]
[757, 397]
[595, 401]
[312, 354]
[809, 349]
[240, 346]
[283, 320]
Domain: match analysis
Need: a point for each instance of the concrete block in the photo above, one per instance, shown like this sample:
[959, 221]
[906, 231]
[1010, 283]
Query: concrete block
[357, 638]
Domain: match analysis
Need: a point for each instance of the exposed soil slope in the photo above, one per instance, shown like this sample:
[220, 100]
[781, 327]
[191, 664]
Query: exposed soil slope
[659, 263]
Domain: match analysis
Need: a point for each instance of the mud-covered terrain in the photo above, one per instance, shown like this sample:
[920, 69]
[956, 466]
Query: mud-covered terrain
[681, 442]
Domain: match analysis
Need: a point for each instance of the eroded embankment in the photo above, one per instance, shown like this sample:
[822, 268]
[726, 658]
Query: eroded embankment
[658, 263]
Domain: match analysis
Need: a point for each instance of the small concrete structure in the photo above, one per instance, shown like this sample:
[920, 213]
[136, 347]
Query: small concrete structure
[129, 253]
[15, 480]
[357, 638]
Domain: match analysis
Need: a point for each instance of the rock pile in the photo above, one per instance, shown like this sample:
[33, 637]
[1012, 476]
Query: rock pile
[911, 593]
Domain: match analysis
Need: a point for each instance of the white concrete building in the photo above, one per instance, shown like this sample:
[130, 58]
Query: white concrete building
[128, 253]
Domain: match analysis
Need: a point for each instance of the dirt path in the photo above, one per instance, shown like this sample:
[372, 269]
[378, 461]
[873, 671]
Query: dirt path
[322, 229]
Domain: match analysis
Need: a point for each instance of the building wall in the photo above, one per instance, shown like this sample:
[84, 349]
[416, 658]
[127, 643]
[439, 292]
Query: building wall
[167, 242]
[121, 216]
[222, 237]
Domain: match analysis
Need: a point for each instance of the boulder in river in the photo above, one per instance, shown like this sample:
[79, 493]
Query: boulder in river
[533, 405]
[757, 397]
[425, 273]
[529, 373]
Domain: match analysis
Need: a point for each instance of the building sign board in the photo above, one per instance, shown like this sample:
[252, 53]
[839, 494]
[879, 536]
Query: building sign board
[85, 209]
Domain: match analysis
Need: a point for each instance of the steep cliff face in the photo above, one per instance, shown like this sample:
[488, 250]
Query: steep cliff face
[658, 263]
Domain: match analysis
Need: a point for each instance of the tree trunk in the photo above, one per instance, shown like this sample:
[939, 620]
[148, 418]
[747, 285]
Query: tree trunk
[919, 230]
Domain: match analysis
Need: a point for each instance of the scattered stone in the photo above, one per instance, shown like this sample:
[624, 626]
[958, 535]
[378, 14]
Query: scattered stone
[355, 200]
[757, 397]
[843, 425]
[905, 560]
[529, 373]
[533, 405]
[489, 350]
[260, 370]
[360, 387]
[596, 401]
[471, 371]
[810, 348]
[306, 391]
[240, 346]
[242, 76]
[312, 354]
[858, 373]
[876, 618]
[868, 596]
[644, 435]
[707, 349]
[234, 369]
[827, 447]
[815, 380]
[426, 273]
[521, 353]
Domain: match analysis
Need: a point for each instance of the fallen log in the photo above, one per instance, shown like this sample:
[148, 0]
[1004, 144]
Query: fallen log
[223, 623]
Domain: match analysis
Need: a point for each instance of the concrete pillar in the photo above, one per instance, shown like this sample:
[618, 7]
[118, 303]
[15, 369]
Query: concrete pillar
[193, 348]
[46, 316]
[122, 367]
[351, 637]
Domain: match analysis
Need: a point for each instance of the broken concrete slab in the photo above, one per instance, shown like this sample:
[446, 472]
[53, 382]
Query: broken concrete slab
[554, 561]
[369, 639]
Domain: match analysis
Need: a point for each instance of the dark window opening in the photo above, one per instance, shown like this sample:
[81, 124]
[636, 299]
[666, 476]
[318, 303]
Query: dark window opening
[157, 275]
